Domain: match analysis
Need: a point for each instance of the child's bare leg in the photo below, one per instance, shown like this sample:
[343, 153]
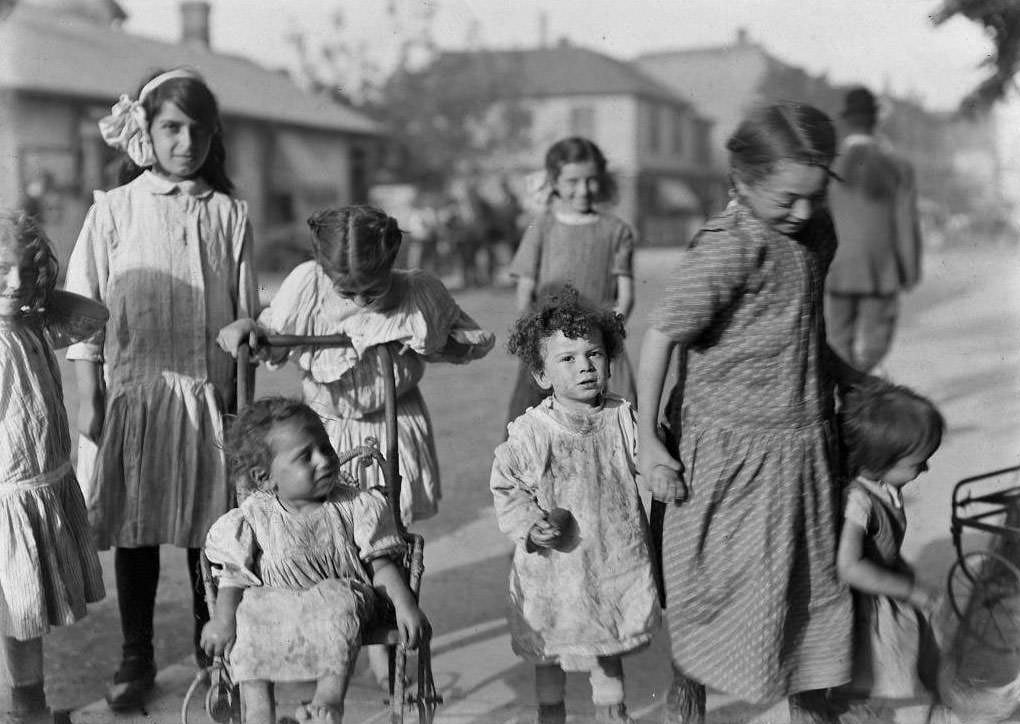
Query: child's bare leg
[607, 690]
[379, 662]
[550, 682]
[258, 705]
[24, 665]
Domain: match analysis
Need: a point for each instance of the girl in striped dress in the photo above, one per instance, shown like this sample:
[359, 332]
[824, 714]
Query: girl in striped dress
[50, 569]
[169, 252]
[755, 607]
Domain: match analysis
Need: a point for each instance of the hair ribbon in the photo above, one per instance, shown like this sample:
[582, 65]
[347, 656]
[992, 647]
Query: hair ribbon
[127, 129]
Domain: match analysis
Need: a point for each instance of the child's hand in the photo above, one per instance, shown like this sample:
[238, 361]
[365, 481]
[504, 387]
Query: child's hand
[218, 637]
[543, 534]
[231, 336]
[414, 627]
[662, 473]
[924, 599]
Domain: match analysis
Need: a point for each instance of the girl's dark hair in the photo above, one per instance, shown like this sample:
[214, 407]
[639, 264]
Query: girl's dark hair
[354, 241]
[867, 168]
[21, 232]
[563, 309]
[195, 99]
[577, 149]
[881, 423]
[246, 442]
[780, 132]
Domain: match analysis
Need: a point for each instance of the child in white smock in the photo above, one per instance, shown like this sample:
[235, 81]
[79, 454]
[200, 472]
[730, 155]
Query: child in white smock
[564, 487]
[297, 562]
[50, 569]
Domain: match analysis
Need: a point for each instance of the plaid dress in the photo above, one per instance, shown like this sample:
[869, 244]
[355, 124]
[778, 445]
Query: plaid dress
[754, 605]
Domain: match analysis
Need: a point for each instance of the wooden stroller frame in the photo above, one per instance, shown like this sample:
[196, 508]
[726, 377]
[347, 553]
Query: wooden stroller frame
[222, 701]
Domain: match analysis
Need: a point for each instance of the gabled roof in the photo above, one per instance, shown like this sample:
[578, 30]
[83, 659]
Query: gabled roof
[567, 70]
[63, 54]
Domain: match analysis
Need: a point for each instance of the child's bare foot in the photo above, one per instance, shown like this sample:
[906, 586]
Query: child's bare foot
[319, 714]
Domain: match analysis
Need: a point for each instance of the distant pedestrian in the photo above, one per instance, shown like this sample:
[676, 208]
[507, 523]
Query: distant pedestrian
[888, 432]
[874, 207]
[300, 564]
[754, 604]
[575, 242]
[564, 485]
[50, 568]
[169, 252]
[351, 288]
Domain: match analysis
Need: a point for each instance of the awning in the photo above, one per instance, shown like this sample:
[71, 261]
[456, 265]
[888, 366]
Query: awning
[306, 163]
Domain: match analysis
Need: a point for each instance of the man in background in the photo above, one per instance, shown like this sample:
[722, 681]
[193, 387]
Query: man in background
[874, 207]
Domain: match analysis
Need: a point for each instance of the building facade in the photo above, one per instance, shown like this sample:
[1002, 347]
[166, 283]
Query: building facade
[63, 63]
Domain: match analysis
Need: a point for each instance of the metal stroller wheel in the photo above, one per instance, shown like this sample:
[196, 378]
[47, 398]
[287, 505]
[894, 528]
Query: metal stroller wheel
[984, 591]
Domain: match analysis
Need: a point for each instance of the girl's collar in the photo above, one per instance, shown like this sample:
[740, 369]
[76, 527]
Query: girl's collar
[155, 183]
[573, 218]
[882, 490]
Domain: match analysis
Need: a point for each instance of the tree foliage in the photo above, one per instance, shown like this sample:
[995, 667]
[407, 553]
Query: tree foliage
[444, 111]
[1000, 20]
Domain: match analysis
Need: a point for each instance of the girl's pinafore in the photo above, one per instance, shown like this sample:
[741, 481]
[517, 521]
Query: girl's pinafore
[172, 263]
[307, 589]
[50, 569]
[345, 385]
[594, 595]
[589, 256]
[895, 654]
[755, 608]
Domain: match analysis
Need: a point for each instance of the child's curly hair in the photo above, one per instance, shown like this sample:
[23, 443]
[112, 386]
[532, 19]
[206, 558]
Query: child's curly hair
[354, 241]
[881, 423]
[20, 232]
[246, 443]
[563, 309]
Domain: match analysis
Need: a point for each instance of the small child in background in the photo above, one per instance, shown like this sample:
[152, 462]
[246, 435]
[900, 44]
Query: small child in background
[50, 569]
[573, 241]
[888, 433]
[297, 563]
[564, 487]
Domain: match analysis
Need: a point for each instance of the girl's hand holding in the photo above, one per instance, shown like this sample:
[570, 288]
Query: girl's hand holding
[414, 627]
[662, 473]
[238, 331]
[218, 637]
[924, 599]
[543, 534]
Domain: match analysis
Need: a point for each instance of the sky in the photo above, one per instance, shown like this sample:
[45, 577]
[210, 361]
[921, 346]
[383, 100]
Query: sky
[886, 44]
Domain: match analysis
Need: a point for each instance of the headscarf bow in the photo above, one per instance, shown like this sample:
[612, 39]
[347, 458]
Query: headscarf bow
[127, 128]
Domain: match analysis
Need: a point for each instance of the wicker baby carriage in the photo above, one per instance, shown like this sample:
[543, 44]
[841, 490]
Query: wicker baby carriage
[222, 702]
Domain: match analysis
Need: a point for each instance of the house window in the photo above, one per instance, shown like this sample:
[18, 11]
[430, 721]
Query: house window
[654, 129]
[678, 133]
[582, 121]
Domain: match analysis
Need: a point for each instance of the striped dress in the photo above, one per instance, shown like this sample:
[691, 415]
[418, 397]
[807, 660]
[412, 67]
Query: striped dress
[754, 605]
[172, 263]
[50, 569]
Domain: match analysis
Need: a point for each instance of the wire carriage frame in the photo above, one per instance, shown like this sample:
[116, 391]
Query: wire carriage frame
[222, 701]
[983, 584]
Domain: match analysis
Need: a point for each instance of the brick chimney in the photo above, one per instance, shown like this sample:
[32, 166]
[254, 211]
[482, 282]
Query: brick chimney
[195, 22]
